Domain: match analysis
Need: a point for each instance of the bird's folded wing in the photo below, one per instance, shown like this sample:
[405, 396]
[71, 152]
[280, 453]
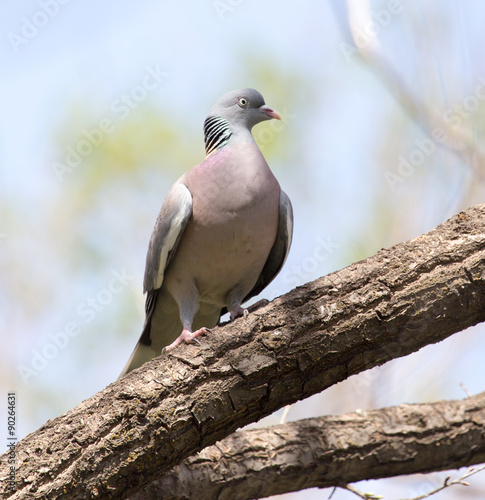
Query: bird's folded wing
[169, 228]
[279, 251]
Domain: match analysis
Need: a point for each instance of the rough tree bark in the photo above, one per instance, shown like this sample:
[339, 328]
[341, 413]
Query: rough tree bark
[318, 452]
[384, 307]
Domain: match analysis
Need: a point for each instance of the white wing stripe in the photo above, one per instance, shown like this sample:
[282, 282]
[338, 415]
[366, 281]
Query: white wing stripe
[177, 223]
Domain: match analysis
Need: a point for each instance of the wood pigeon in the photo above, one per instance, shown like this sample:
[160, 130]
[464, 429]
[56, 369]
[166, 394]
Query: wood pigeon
[222, 235]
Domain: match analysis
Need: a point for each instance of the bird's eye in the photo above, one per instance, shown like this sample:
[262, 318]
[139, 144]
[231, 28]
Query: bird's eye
[243, 102]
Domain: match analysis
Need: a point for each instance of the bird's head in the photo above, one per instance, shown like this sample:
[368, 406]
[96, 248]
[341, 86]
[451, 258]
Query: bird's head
[244, 107]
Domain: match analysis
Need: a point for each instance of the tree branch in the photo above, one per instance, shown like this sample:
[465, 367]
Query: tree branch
[384, 307]
[318, 452]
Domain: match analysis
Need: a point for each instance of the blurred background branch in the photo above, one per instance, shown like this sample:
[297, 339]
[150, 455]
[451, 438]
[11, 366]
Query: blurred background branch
[456, 139]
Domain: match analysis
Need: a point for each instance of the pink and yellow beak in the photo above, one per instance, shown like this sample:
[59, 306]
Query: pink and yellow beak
[269, 112]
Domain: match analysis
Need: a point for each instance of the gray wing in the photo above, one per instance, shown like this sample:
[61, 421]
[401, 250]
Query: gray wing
[280, 249]
[169, 228]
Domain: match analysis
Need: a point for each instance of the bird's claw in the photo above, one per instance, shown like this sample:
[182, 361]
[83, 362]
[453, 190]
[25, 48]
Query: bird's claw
[188, 337]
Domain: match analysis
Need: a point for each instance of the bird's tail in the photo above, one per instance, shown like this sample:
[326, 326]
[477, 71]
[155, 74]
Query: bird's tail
[161, 328]
[141, 354]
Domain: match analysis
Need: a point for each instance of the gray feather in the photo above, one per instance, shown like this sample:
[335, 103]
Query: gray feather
[169, 227]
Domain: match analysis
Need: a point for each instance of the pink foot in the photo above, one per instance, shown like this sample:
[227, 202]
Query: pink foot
[237, 313]
[188, 337]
